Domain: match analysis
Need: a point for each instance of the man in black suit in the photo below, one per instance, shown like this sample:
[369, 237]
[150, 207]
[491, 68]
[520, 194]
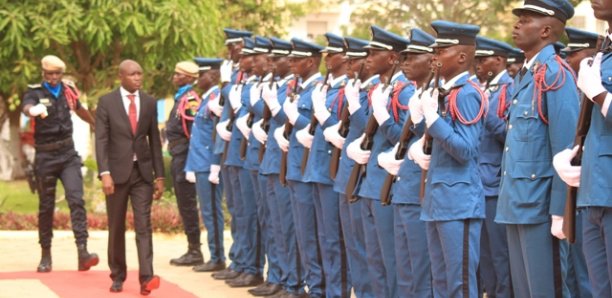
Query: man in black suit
[128, 152]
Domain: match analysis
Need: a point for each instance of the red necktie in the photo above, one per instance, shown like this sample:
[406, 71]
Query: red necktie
[132, 112]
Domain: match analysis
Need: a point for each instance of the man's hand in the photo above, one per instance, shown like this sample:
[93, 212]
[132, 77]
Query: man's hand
[235, 95]
[108, 186]
[556, 227]
[223, 132]
[159, 188]
[429, 103]
[226, 71]
[291, 110]
[260, 135]
[319, 97]
[213, 177]
[351, 91]
[388, 162]
[354, 151]
[562, 162]
[255, 93]
[304, 137]
[213, 106]
[283, 143]
[38, 110]
[589, 77]
[242, 125]
[269, 94]
[415, 152]
[380, 99]
[332, 135]
[416, 108]
[190, 177]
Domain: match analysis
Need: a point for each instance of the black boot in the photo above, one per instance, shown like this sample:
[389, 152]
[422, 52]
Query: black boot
[45, 261]
[192, 257]
[86, 260]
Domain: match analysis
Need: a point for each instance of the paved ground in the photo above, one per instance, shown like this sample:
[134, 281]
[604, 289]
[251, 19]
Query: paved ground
[19, 251]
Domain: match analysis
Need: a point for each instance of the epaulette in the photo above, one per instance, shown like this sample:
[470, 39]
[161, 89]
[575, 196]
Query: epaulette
[34, 86]
[69, 83]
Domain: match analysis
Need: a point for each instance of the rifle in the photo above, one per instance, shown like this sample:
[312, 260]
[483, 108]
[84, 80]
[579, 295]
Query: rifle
[359, 170]
[244, 142]
[402, 149]
[343, 130]
[231, 118]
[428, 142]
[287, 134]
[582, 129]
[312, 129]
[265, 124]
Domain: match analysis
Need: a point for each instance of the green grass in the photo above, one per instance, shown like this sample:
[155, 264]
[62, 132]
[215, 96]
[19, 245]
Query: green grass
[16, 196]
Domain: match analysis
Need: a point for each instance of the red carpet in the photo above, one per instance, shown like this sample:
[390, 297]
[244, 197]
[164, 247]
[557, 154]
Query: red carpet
[94, 284]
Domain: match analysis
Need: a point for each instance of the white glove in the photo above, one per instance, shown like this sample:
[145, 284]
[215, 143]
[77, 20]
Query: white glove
[291, 110]
[39, 109]
[319, 98]
[332, 135]
[269, 95]
[388, 162]
[226, 71]
[304, 137]
[255, 93]
[429, 104]
[380, 99]
[562, 164]
[260, 135]
[351, 91]
[354, 151]
[241, 123]
[190, 177]
[415, 152]
[415, 108]
[223, 132]
[213, 177]
[213, 106]
[556, 227]
[283, 143]
[235, 95]
[589, 77]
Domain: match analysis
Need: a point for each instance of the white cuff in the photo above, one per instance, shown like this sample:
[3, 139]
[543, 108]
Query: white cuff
[353, 108]
[431, 118]
[292, 115]
[381, 115]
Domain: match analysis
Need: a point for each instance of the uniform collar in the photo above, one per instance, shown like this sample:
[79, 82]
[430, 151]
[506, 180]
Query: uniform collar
[498, 77]
[336, 81]
[370, 79]
[209, 91]
[181, 91]
[285, 79]
[125, 93]
[54, 90]
[313, 77]
[452, 82]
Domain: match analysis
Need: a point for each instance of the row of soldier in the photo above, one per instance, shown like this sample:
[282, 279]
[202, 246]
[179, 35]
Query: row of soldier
[411, 168]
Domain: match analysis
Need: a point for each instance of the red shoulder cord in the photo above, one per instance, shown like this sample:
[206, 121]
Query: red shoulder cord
[542, 86]
[338, 101]
[370, 94]
[454, 110]
[290, 87]
[182, 107]
[72, 96]
[502, 106]
[211, 97]
[395, 104]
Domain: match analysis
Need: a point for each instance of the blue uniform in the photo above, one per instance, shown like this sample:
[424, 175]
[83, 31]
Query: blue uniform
[530, 190]
[494, 263]
[326, 199]
[199, 160]
[350, 213]
[302, 196]
[281, 211]
[453, 207]
[595, 192]
[377, 219]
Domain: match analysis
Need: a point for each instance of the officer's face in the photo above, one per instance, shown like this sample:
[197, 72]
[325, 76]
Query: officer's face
[206, 79]
[179, 79]
[357, 68]
[528, 29]
[299, 66]
[131, 77]
[485, 67]
[416, 67]
[603, 9]
[52, 77]
[280, 65]
[574, 58]
[234, 51]
[379, 62]
[260, 64]
[446, 60]
[246, 64]
[513, 69]
[333, 61]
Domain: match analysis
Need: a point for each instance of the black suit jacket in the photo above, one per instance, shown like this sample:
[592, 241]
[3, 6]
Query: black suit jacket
[116, 144]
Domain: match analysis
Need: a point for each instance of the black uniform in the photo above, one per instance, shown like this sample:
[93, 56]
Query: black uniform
[55, 159]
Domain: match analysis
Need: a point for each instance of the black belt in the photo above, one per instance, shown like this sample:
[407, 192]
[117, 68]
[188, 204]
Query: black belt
[174, 143]
[55, 145]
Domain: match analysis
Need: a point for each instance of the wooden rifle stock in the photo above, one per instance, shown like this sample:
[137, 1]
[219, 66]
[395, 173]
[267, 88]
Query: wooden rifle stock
[428, 141]
[336, 152]
[244, 143]
[312, 129]
[287, 134]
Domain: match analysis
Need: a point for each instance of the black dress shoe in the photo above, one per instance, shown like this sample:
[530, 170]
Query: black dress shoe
[86, 259]
[265, 289]
[279, 294]
[209, 266]
[149, 285]
[245, 280]
[225, 274]
[192, 257]
[45, 261]
[117, 286]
